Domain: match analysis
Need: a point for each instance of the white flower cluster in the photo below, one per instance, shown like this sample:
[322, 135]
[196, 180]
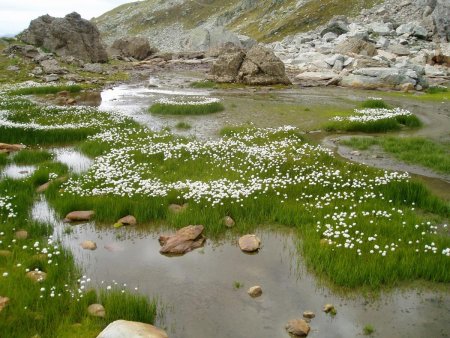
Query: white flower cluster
[52, 117]
[373, 114]
[196, 100]
[6, 207]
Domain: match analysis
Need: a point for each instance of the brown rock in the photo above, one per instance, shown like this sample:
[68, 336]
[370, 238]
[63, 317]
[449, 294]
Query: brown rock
[255, 291]
[127, 220]
[124, 328]
[88, 245]
[71, 101]
[22, 234]
[37, 276]
[328, 308]
[78, 216]
[309, 314]
[11, 147]
[249, 243]
[298, 327]
[96, 310]
[3, 302]
[228, 222]
[184, 240]
[132, 46]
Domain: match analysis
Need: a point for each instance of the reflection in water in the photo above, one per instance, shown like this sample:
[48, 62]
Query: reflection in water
[76, 161]
[18, 171]
[201, 301]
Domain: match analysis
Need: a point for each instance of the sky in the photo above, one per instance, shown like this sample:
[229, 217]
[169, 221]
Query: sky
[15, 15]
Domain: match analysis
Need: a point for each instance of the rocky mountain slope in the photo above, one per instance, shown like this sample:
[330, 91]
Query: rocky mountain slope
[174, 25]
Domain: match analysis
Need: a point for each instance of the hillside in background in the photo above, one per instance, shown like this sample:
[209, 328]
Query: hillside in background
[174, 23]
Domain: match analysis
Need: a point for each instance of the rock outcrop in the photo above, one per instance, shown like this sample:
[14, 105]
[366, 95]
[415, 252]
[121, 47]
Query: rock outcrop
[128, 329]
[132, 46]
[68, 36]
[258, 66]
[183, 241]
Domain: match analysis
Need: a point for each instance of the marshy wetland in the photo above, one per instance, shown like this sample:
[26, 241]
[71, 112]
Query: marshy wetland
[372, 242]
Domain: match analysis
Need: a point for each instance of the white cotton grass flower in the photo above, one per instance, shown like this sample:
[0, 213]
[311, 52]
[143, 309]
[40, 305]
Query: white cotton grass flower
[373, 114]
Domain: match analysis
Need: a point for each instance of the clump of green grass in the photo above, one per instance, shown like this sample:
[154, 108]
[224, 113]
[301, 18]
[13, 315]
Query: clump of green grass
[203, 84]
[183, 125]
[378, 126]
[186, 109]
[415, 150]
[372, 103]
[436, 90]
[368, 330]
[46, 90]
[237, 285]
[26, 156]
[360, 143]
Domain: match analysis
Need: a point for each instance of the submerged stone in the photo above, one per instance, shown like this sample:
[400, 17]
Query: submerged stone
[88, 245]
[298, 327]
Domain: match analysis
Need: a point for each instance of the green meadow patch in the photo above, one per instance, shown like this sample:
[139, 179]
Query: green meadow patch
[40, 90]
[415, 150]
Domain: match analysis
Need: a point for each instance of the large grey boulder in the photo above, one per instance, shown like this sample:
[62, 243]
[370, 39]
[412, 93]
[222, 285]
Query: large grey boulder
[132, 46]
[258, 66]
[68, 36]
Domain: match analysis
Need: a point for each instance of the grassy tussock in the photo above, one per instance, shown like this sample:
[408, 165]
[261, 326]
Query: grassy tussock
[26, 156]
[187, 109]
[379, 126]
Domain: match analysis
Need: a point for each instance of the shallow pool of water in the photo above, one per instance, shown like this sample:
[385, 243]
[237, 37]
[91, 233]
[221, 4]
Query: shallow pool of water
[17, 172]
[75, 161]
[200, 299]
